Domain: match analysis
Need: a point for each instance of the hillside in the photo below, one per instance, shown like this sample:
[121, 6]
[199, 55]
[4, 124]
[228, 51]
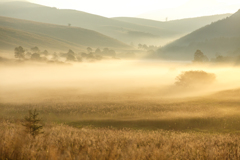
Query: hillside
[73, 37]
[219, 38]
[11, 38]
[182, 26]
[123, 31]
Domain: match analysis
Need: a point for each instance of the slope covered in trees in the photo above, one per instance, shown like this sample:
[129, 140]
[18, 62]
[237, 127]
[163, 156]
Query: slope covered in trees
[219, 38]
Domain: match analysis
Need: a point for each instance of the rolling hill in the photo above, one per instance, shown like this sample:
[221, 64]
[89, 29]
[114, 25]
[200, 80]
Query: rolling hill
[123, 31]
[11, 38]
[182, 26]
[221, 37]
[29, 34]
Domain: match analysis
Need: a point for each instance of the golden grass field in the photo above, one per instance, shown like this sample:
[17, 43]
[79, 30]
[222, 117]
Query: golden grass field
[139, 123]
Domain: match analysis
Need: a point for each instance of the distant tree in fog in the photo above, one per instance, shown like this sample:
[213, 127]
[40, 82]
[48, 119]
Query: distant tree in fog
[70, 56]
[89, 49]
[35, 57]
[19, 52]
[28, 54]
[97, 51]
[35, 49]
[194, 78]
[200, 57]
[70, 52]
[45, 52]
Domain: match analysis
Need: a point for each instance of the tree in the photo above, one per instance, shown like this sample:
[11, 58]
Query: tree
[89, 49]
[195, 78]
[19, 52]
[32, 123]
[35, 49]
[70, 56]
[45, 52]
[35, 57]
[200, 57]
[98, 51]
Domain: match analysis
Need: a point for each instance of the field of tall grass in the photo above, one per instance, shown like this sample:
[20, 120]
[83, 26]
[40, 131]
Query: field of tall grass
[93, 111]
[65, 142]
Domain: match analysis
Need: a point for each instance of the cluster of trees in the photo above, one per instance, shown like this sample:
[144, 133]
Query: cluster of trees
[199, 57]
[33, 54]
[146, 47]
[36, 54]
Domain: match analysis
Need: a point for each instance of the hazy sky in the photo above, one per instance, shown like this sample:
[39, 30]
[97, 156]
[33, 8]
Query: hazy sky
[153, 9]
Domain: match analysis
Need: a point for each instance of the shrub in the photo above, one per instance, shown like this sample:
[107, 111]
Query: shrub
[195, 78]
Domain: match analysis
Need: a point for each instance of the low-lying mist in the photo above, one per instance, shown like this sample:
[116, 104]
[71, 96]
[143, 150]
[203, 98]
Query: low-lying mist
[151, 79]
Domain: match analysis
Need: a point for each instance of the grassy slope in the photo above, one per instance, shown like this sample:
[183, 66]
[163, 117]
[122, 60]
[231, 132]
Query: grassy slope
[123, 31]
[70, 35]
[221, 37]
[182, 26]
[10, 38]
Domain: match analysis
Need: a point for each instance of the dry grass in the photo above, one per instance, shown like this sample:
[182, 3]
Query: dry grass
[211, 113]
[64, 142]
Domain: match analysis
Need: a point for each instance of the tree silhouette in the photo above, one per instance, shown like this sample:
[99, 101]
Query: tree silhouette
[32, 123]
[70, 56]
[35, 56]
[35, 49]
[89, 49]
[200, 57]
[194, 78]
[19, 52]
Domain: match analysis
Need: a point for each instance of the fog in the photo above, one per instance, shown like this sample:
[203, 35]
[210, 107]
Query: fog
[155, 79]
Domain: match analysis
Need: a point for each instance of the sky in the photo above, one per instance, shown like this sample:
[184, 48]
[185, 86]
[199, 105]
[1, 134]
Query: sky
[150, 9]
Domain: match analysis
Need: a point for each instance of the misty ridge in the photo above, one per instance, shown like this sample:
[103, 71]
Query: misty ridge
[75, 85]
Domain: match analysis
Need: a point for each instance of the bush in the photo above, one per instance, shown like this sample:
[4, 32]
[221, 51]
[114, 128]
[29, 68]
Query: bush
[195, 78]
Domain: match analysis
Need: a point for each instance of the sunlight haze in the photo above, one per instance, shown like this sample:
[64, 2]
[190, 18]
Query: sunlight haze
[151, 9]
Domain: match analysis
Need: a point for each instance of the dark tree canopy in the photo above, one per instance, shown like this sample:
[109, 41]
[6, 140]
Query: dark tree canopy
[19, 52]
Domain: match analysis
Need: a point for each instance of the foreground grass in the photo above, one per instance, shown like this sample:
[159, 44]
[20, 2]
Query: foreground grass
[64, 142]
[216, 113]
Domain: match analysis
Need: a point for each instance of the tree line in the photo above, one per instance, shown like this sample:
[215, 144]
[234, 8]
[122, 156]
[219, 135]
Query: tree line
[35, 54]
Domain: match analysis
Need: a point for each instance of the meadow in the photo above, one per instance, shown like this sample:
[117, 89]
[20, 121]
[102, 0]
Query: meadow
[103, 111]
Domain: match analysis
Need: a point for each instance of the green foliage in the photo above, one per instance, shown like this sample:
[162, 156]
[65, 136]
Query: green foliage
[19, 52]
[195, 78]
[32, 123]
